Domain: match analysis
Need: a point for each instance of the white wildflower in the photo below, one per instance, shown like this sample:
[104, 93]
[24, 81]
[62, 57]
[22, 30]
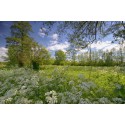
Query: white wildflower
[104, 100]
[117, 100]
[84, 101]
[39, 102]
[11, 92]
[71, 82]
[23, 101]
[9, 100]
[118, 86]
[51, 97]
[23, 87]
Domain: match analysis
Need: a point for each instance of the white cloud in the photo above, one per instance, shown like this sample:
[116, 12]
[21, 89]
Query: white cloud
[104, 45]
[55, 45]
[53, 42]
[54, 37]
[43, 29]
[42, 32]
[3, 52]
[59, 46]
[107, 45]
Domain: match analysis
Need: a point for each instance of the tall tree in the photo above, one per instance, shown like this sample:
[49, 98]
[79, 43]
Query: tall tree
[60, 57]
[20, 43]
[120, 37]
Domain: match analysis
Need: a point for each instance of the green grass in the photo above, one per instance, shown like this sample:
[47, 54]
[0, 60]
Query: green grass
[99, 75]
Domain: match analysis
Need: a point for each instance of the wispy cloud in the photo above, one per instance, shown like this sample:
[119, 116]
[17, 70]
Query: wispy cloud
[101, 45]
[107, 45]
[42, 32]
[60, 46]
[56, 45]
[54, 39]
[53, 42]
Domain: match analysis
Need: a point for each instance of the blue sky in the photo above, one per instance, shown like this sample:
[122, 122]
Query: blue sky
[51, 41]
[36, 25]
[5, 31]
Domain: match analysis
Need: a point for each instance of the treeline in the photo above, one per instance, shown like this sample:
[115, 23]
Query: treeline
[103, 58]
[92, 58]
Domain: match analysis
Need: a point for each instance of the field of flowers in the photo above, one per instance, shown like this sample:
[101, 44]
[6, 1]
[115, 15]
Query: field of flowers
[63, 85]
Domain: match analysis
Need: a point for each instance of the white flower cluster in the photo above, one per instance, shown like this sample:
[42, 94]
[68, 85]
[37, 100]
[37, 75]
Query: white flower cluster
[71, 82]
[17, 85]
[118, 100]
[87, 85]
[51, 97]
[84, 101]
[25, 86]
[104, 100]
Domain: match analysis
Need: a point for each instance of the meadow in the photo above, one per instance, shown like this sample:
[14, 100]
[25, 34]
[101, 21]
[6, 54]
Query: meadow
[62, 85]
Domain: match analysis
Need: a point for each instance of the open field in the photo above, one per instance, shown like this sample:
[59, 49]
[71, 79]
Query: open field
[63, 84]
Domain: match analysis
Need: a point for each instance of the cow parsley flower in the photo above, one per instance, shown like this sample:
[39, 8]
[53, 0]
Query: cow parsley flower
[71, 82]
[118, 86]
[117, 100]
[84, 101]
[51, 97]
[39, 102]
[104, 100]
[11, 92]
[9, 100]
[23, 87]
[23, 100]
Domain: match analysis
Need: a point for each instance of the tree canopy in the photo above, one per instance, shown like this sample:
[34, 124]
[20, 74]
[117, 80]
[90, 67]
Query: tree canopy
[82, 33]
[60, 57]
[22, 49]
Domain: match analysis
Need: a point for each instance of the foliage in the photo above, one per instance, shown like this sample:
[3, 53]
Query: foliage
[22, 49]
[19, 44]
[82, 33]
[60, 57]
[66, 85]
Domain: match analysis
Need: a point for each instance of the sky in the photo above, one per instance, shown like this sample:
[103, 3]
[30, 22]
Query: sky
[51, 41]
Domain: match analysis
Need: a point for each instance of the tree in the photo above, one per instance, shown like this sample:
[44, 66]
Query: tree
[19, 44]
[40, 56]
[71, 52]
[83, 33]
[120, 37]
[60, 57]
